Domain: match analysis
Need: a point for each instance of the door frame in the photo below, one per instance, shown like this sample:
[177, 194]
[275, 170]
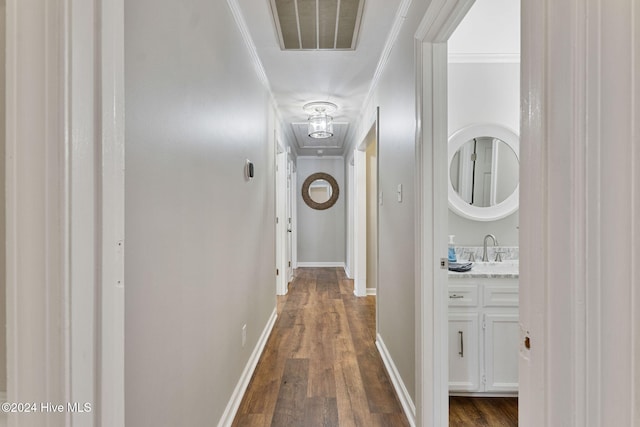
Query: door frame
[281, 222]
[291, 198]
[350, 199]
[359, 224]
[437, 25]
[65, 207]
[360, 209]
[294, 213]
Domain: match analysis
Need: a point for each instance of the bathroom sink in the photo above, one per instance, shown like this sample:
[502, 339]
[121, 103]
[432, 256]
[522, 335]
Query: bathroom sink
[508, 268]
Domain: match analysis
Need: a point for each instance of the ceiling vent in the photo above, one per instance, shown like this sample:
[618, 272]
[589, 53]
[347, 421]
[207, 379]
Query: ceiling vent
[317, 24]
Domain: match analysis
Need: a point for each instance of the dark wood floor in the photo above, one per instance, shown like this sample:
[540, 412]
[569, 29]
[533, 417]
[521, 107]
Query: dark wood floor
[320, 366]
[483, 411]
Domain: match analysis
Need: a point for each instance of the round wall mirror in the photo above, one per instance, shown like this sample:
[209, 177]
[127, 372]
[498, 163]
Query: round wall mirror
[320, 191]
[484, 171]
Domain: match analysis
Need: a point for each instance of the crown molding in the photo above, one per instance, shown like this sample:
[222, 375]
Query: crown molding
[241, 23]
[248, 40]
[401, 16]
[399, 19]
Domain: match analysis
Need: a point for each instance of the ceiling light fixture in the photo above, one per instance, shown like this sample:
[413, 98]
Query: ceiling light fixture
[320, 122]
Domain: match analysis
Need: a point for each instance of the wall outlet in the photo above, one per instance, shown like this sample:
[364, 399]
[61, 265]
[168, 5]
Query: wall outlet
[244, 335]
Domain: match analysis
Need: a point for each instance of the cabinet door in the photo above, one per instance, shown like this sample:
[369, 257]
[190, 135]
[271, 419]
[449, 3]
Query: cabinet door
[464, 352]
[501, 352]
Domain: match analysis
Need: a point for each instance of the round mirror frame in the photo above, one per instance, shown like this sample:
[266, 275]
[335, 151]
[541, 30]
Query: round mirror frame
[335, 192]
[456, 203]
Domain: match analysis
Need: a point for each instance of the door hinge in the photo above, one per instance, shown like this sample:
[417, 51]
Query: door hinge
[484, 379]
[484, 321]
[444, 263]
[277, 272]
[277, 220]
[289, 263]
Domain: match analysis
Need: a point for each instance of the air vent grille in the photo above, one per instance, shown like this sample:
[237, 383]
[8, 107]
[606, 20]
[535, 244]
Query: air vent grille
[317, 24]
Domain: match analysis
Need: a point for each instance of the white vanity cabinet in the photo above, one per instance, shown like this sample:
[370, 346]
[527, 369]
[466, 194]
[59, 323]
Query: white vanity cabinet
[483, 335]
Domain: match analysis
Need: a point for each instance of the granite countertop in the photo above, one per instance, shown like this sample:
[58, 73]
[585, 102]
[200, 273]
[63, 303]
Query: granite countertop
[508, 269]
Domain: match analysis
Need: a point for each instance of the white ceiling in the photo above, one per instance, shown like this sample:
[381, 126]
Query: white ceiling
[341, 77]
[333, 146]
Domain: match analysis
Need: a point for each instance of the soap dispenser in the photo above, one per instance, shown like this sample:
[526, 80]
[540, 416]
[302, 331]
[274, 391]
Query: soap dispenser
[452, 249]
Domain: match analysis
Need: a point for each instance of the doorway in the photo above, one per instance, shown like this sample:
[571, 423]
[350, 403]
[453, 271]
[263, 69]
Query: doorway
[483, 102]
[285, 222]
[371, 167]
[366, 198]
[440, 21]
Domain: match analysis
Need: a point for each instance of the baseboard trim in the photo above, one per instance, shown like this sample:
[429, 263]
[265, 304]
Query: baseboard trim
[347, 272]
[236, 398]
[321, 264]
[359, 285]
[403, 395]
[372, 291]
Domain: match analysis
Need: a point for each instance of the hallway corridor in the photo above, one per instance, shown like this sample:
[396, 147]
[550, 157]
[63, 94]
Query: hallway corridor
[320, 366]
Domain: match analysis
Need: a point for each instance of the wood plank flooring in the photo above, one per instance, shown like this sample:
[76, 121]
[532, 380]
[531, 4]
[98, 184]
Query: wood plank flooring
[483, 411]
[320, 366]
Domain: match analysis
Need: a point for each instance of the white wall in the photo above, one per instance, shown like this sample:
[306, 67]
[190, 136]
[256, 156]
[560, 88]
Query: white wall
[490, 27]
[395, 95]
[483, 88]
[321, 234]
[483, 93]
[200, 258]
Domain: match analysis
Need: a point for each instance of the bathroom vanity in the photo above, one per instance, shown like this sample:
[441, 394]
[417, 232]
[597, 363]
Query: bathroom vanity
[484, 330]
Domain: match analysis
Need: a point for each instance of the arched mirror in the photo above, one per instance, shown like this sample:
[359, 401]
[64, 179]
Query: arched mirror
[484, 169]
[320, 191]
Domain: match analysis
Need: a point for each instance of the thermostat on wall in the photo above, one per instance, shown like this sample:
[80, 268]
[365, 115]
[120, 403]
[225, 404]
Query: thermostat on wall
[248, 169]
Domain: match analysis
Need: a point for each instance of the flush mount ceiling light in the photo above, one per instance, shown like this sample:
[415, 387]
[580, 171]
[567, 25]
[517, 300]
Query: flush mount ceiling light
[320, 122]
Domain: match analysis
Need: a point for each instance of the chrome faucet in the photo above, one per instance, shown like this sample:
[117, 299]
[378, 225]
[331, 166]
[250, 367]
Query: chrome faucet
[485, 258]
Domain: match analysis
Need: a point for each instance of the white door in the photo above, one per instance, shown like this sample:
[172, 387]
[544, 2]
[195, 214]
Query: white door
[501, 342]
[289, 222]
[464, 363]
[281, 223]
